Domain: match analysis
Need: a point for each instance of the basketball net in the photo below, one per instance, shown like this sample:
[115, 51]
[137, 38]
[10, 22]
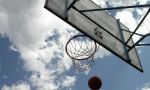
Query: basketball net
[81, 50]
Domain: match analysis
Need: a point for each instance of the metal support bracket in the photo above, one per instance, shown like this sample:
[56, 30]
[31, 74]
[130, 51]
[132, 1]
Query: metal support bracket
[122, 37]
[115, 8]
[68, 7]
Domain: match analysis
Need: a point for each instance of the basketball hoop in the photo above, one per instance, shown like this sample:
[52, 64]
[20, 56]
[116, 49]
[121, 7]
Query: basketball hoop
[81, 50]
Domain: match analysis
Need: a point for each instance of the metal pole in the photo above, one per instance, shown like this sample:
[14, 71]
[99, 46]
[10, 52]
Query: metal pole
[132, 32]
[114, 8]
[143, 45]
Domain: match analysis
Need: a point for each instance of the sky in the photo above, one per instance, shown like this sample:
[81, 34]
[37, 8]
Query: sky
[33, 57]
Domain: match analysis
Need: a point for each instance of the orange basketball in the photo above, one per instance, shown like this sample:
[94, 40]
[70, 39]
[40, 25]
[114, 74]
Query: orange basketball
[95, 83]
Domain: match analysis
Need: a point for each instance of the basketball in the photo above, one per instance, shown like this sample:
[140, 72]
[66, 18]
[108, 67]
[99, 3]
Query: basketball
[95, 83]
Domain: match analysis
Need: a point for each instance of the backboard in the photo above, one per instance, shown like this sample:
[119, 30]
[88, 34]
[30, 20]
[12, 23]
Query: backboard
[100, 26]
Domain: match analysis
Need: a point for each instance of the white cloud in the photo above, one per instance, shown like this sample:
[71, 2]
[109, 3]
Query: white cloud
[20, 86]
[144, 29]
[28, 26]
[126, 17]
[3, 22]
[146, 86]
[68, 81]
[43, 83]
[142, 1]
[141, 11]
[121, 2]
[126, 2]
[13, 48]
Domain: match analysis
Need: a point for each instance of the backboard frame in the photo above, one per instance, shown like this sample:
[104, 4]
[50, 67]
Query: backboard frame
[127, 47]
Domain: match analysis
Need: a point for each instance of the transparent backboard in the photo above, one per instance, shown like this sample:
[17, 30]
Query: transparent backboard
[98, 25]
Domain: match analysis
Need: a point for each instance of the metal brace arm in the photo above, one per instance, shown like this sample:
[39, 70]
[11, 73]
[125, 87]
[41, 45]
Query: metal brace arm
[69, 6]
[137, 43]
[139, 25]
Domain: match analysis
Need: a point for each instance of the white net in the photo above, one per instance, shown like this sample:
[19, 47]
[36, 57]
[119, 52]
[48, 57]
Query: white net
[81, 50]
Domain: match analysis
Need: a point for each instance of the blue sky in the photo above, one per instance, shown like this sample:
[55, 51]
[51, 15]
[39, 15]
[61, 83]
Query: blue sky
[32, 54]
